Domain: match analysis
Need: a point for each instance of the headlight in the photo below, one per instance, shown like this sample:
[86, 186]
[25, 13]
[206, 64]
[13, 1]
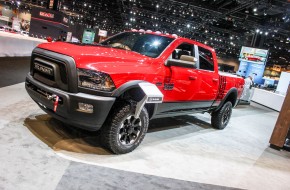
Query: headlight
[95, 80]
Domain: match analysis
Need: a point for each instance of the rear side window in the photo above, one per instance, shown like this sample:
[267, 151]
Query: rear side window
[205, 59]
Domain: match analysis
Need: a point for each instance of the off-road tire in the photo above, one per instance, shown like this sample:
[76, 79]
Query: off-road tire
[221, 118]
[110, 132]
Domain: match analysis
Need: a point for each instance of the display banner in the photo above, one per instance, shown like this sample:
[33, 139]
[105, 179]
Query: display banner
[256, 71]
[253, 55]
[50, 15]
[88, 36]
[252, 63]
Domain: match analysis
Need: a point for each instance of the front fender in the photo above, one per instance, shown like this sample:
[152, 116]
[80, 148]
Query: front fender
[127, 86]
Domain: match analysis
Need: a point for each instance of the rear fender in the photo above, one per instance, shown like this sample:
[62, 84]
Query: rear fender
[231, 96]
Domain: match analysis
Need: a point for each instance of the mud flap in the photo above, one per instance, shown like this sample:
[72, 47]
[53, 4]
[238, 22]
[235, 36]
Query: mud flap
[152, 96]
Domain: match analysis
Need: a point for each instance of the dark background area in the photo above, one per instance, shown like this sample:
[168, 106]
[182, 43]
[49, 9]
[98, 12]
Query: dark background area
[13, 70]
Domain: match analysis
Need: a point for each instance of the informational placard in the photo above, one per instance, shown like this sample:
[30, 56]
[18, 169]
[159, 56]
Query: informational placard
[69, 37]
[88, 36]
[103, 33]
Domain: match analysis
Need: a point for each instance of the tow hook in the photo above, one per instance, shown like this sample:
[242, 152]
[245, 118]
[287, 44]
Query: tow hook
[55, 100]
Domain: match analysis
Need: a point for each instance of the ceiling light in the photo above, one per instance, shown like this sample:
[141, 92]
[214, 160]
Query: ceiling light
[255, 9]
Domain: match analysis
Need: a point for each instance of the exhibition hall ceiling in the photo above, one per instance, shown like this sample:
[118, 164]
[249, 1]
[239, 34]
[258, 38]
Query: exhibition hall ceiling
[224, 24]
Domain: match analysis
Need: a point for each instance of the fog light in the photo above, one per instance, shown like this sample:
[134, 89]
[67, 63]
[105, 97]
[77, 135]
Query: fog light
[87, 108]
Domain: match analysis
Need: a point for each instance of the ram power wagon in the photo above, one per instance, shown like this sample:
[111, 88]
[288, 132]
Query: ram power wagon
[118, 85]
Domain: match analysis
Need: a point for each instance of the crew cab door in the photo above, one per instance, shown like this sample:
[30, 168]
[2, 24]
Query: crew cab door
[183, 84]
[207, 70]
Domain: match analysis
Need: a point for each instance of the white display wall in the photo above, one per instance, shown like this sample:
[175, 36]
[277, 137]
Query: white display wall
[283, 83]
[14, 45]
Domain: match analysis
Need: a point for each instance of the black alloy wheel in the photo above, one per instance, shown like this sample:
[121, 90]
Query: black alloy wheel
[221, 118]
[130, 130]
[122, 132]
[226, 116]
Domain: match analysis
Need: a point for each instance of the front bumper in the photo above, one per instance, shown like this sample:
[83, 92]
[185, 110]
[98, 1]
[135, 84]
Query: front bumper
[67, 110]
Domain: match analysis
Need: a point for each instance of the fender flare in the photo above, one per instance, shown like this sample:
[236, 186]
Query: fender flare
[127, 86]
[232, 90]
[130, 85]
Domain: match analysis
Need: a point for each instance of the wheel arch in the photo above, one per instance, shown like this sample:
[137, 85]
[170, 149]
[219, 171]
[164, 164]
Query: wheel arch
[131, 90]
[232, 96]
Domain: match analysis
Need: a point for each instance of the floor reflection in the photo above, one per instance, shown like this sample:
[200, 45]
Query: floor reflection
[60, 136]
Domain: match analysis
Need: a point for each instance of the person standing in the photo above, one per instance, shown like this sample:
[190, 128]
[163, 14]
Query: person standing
[249, 82]
[247, 92]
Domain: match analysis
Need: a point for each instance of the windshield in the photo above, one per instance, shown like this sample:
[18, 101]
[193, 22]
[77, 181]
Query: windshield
[145, 44]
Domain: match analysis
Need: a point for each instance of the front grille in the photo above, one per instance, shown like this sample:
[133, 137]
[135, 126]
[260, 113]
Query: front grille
[55, 70]
[63, 73]
[39, 63]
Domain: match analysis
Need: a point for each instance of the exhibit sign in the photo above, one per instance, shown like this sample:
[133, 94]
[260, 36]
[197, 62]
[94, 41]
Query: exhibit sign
[69, 37]
[253, 55]
[103, 33]
[45, 14]
[88, 36]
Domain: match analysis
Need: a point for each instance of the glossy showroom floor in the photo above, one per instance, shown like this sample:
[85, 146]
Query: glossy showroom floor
[37, 152]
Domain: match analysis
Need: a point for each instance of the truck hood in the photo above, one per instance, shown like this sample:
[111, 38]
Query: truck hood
[98, 57]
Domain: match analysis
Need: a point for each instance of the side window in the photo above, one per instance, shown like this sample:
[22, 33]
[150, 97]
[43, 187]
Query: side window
[183, 49]
[205, 59]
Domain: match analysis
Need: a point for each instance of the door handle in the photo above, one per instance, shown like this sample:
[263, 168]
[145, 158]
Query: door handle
[215, 80]
[192, 77]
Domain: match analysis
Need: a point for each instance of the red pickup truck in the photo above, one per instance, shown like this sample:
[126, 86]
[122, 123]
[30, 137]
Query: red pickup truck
[117, 86]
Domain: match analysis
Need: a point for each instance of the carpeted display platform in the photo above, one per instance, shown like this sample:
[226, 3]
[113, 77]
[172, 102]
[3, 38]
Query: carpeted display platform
[83, 176]
[38, 152]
